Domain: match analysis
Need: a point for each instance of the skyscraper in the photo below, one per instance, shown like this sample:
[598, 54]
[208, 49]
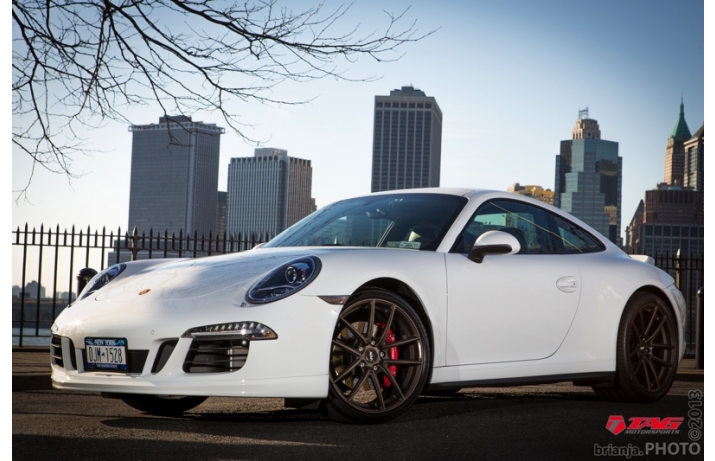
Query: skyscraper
[174, 176]
[675, 151]
[588, 178]
[268, 192]
[407, 141]
[672, 216]
[694, 171]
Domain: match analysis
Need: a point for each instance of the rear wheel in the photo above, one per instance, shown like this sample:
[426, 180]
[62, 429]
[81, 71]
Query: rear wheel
[647, 353]
[162, 405]
[380, 358]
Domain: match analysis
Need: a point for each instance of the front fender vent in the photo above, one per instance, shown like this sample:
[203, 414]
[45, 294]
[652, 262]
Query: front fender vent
[216, 355]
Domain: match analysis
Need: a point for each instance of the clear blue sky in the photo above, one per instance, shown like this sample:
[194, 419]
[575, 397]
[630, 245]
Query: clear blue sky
[509, 77]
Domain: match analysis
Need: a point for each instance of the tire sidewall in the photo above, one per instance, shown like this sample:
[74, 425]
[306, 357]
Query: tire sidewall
[626, 379]
[346, 413]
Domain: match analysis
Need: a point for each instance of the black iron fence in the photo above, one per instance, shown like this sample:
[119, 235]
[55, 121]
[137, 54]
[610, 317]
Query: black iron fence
[54, 257]
[689, 274]
[49, 259]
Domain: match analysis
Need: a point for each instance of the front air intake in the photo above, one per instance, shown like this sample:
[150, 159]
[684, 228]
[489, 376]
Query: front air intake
[216, 355]
[56, 351]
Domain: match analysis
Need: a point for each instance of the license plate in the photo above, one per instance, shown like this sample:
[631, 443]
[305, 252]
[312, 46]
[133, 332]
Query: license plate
[106, 353]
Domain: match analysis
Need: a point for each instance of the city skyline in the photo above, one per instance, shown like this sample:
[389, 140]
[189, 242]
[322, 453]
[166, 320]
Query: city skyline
[509, 78]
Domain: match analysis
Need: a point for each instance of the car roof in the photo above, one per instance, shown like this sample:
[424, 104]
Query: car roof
[460, 191]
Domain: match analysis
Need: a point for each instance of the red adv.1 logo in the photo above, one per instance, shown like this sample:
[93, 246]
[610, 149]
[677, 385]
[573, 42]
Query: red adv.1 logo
[617, 424]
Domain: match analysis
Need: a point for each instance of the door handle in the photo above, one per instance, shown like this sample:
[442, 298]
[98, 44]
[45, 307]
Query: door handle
[567, 284]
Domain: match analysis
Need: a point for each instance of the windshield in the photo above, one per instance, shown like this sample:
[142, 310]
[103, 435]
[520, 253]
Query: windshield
[411, 221]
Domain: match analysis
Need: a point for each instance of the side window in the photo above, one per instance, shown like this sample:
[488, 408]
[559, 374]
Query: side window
[573, 239]
[529, 224]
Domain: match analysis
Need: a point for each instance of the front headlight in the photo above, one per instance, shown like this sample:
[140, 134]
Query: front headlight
[101, 279]
[285, 280]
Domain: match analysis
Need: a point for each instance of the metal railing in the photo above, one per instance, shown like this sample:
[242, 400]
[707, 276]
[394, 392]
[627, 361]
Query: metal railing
[58, 255]
[689, 274]
[54, 256]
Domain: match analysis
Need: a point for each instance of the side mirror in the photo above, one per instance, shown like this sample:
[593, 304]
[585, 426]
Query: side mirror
[493, 243]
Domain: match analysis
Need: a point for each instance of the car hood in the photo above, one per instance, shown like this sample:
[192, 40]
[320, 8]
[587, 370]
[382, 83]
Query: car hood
[194, 278]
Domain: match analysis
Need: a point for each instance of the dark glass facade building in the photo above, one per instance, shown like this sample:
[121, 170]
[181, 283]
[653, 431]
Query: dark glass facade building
[407, 141]
[588, 179]
[174, 176]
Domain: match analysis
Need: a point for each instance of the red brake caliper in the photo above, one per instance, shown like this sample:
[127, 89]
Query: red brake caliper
[392, 354]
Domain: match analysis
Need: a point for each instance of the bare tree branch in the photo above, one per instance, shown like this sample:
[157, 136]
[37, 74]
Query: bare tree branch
[79, 63]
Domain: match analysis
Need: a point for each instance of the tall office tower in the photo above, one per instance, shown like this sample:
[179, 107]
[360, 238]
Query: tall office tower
[588, 178]
[221, 213]
[675, 151]
[407, 141]
[174, 176]
[694, 172]
[268, 192]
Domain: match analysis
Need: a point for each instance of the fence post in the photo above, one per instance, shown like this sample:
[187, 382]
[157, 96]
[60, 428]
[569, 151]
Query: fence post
[135, 240]
[700, 332]
[678, 271]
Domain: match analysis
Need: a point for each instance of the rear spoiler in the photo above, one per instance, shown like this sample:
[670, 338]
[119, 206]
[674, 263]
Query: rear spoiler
[643, 258]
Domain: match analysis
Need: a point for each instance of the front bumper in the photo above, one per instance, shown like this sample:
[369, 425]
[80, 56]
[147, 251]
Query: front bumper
[295, 365]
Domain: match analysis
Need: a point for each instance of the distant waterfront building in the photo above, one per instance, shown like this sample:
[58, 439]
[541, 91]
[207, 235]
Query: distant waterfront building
[675, 151]
[174, 176]
[407, 141]
[34, 290]
[268, 192]
[535, 192]
[588, 178]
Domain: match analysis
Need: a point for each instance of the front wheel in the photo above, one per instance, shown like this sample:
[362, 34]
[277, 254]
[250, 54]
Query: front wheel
[162, 405]
[647, 352]
[380, 358]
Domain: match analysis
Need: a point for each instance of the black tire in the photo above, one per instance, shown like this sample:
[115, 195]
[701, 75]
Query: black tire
[647, 352]
[380, 359]
[162, 405]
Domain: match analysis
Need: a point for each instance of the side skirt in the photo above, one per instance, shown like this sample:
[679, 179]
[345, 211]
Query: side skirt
[579, 379]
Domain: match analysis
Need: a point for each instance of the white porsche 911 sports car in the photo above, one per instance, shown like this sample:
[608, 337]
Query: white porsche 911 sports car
[369, 302]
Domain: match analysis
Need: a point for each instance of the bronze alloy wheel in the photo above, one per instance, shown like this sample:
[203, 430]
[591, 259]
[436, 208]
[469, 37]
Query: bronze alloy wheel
[380, 358]
[647, 351]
